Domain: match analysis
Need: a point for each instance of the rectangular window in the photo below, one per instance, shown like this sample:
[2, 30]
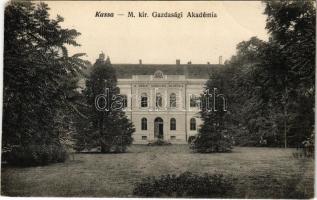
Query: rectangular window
[173, 100]
[192, 124]
[144, 137]
[143, 102]
[173, 127]
[173, 124]
[173, 137]
[124, 101]
[192, 127]
[194, 101]
[144, 124]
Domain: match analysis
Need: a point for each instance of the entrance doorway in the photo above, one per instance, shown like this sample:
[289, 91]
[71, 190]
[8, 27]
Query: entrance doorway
[158, 128]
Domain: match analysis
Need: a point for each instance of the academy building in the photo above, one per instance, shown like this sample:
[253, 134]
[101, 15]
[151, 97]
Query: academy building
[162, 100]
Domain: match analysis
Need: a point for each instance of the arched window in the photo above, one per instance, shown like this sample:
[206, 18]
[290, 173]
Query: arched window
[192, 124]
[173, 124]
[143, 100]
[173, 100]
[143, 124]
[158, 100]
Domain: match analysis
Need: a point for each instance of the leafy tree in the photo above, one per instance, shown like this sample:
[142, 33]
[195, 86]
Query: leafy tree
[292, 25]
[36, 68]
[215, 134]
[273, 82]
[254, 88]
[108, 129]
[69, 116]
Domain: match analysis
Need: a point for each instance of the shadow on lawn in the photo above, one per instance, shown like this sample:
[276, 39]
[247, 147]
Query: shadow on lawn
[108, 153]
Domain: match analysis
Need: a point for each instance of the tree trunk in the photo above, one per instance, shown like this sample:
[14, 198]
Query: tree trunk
[104, 148]
[285, 127]
[285, 116]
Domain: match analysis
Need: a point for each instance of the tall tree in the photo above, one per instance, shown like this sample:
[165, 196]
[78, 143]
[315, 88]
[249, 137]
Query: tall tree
[277, 77]
[292, 25]
[214, 134]
[36, 63]
[108, 127]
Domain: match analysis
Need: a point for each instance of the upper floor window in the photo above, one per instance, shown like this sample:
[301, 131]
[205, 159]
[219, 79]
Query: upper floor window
[173, 124]
[173, 100]
[124, 101]
[144, 100]
[159, 100]
[192, 124]
[143, 124]
[194, 101]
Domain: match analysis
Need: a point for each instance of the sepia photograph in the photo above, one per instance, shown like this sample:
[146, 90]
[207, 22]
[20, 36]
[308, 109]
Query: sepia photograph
[158, 99]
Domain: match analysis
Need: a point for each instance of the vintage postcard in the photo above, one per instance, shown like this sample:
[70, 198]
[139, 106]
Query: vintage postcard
[166, 99]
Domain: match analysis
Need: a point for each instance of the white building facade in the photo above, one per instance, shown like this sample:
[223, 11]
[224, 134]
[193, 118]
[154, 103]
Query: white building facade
[162, 105]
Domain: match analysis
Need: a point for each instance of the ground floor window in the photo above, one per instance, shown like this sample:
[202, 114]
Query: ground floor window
[192, 124]
[143, 124]
[173, 124]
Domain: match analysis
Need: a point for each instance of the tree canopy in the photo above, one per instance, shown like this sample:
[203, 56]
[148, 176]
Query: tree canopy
[271, 86]
[107, 127]
[40, 78]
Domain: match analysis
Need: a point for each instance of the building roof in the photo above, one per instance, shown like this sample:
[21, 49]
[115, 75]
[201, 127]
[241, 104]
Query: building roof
[191, 71]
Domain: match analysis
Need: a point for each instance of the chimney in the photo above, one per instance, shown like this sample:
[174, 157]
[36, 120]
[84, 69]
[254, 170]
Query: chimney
[108, 60]
[189, 62]
[101, 56]
[140, 61]
[208, 63]
[178, 61]
[220, 60]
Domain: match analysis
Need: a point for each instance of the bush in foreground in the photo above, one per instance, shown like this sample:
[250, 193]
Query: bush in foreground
[211, 143]
[34, 155]
[159, 142]
[185, 185]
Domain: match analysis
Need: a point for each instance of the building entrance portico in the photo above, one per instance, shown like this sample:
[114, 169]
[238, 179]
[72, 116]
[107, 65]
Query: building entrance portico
[158, 128]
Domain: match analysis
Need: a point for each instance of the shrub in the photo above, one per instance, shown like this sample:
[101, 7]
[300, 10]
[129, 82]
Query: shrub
[212, 142]
[185, 185]
[191, 139]
[33, 155]
[158, 142]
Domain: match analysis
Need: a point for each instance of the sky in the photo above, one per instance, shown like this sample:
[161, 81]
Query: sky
[161, 40]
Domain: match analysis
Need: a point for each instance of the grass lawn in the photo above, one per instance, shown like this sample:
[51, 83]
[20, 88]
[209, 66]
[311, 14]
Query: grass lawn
[259, 172]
